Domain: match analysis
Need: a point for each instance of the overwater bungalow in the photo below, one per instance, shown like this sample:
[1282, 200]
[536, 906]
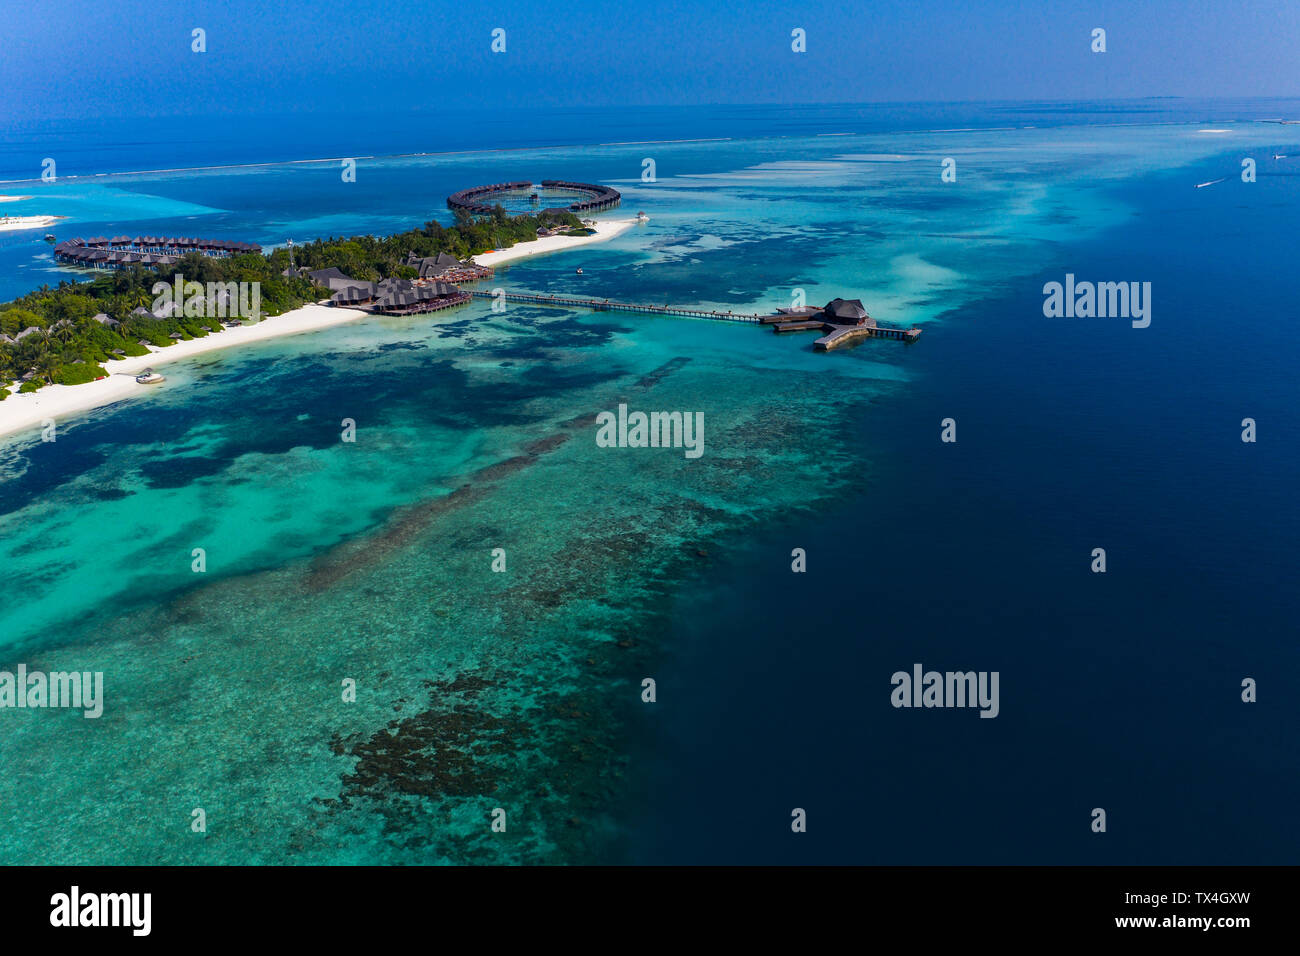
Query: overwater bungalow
[480, 200]
[598, 197]
[354, 295]
[846, 312]
[475, 199]
[120, 251]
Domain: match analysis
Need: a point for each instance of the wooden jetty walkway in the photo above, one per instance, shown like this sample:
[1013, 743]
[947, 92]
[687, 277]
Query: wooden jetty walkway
[838, 335]
[789, 320]
[608, 305]
[858, 325]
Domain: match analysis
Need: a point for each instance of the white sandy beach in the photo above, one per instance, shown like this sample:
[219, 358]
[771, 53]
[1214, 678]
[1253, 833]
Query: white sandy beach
[13, 223]
[605, 229]
[13, 198]
[21, 412]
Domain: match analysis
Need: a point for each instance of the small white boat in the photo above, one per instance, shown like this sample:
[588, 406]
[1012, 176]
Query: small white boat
[579, 272]
[149, 377]
[1212, 182]
[642, 217]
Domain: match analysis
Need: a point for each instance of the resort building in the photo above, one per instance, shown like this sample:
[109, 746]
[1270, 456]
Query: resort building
[443, 267]
[846, 312]
[446, 267]
[397, 296]
[325, 277]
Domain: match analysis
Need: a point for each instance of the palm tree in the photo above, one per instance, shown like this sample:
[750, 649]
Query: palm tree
[46, 364]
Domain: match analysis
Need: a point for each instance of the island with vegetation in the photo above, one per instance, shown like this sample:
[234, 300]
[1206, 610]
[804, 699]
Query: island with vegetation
[69, 333]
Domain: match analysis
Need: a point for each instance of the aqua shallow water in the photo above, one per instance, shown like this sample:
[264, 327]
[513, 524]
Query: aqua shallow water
[253, 657]
[372, 560]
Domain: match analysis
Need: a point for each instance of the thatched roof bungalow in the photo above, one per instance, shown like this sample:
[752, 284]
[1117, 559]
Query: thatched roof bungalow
[846, 312]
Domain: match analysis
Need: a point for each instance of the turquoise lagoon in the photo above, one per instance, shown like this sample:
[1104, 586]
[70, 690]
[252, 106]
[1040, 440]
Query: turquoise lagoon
[371, 561]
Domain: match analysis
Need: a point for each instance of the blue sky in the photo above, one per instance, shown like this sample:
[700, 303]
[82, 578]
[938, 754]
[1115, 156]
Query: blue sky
[69, 59]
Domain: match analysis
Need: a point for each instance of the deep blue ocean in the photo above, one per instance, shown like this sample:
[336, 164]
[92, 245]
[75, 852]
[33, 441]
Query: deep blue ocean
[116, 144]
[1119, 691]
[977, 556]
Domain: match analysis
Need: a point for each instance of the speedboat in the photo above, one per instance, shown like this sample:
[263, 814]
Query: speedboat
[149, 377]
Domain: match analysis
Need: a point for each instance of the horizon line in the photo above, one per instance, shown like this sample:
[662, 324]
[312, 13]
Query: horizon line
[650, 142]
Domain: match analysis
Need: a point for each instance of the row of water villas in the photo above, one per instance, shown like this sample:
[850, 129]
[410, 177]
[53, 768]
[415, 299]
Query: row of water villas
[481, 200]
[597, 197]
[103, 252]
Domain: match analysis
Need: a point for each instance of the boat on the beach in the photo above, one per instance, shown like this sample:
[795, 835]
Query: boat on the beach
[149, 377]
[642, 217]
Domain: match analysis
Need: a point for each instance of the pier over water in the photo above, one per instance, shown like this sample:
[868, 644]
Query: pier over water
[608, 305]
[839, 328]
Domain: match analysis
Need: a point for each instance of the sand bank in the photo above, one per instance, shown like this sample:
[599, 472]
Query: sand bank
[12, 223]
[21, 412]
[605, 229]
